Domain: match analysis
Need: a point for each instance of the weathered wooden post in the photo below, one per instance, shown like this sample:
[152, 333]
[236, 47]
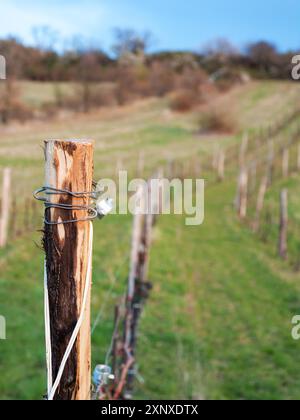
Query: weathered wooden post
[68, 248]
[5, 207]
[14, 213]
[137, 293]
[298, 158]
[260, 202]
[221, 166]
[270, 163]
[129, 322]
[157, 205]
[283, 225]
[242, 200]
[285, 162]
[253, 177]
[142, 286]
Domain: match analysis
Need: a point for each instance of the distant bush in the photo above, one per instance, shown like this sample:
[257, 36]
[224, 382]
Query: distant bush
[217, 120]
[11, 106]
[183, 100]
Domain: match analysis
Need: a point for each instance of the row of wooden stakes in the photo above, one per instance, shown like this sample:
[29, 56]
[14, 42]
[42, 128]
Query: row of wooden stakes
[19, 215]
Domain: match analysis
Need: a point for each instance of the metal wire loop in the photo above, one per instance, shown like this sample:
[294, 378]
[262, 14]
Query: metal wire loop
[92, 211]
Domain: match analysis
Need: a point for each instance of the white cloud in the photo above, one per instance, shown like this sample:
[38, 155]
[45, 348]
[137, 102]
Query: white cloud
[66, 17]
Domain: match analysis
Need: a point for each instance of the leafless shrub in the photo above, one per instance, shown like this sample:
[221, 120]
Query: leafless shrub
[183, 100]
[217, 120]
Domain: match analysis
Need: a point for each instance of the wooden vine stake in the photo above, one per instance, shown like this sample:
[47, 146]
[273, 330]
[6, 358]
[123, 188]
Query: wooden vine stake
[137, 292]
[221, 166]
[141, 286]
[242, 200]
[283, 225]
[270, 163]
[5, 207]
[298, 158]
[69, 166]
[260, 202]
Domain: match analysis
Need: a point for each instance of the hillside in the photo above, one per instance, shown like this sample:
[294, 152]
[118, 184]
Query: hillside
[218, 322]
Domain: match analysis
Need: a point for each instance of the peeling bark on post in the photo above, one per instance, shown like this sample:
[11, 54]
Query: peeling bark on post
[69, 166]
[283, 225]
[5, 207]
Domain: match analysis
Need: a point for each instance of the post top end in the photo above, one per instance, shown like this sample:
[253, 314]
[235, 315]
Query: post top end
[76, 141]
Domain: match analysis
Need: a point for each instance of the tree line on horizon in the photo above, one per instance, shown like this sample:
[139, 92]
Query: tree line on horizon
[131, 71]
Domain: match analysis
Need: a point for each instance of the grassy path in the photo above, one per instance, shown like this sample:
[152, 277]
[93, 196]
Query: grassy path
[220, 327]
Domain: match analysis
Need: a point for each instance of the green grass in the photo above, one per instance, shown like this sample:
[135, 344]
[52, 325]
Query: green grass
[218, 323]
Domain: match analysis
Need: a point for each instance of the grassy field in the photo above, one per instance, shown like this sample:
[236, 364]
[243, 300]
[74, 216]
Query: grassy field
[218, 323]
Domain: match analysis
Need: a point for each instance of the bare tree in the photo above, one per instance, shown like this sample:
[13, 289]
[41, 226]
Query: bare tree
[130, 42]
[45, 37]
[264, 55]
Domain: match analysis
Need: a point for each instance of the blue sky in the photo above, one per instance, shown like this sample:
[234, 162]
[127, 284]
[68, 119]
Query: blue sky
[176, 24]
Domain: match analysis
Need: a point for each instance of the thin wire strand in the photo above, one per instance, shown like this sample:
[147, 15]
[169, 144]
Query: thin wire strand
[92, 211]
[75, 333]
[109, 293]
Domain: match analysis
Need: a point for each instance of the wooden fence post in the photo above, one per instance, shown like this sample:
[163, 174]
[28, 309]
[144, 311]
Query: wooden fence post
[285, 162]
[14, 213]
[270, 164]
[69, 166]
[138, 289]
[157, 206]
[127, 350]
[243, 194]
[221, 166]
[253, 177]
[283, 225]
[298, 158]
[260, 202]
[5, 207]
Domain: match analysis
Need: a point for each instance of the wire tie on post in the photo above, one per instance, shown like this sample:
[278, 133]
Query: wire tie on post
[101, 208]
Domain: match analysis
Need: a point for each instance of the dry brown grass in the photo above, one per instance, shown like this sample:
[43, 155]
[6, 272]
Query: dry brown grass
[220, 120]
[183, 100]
